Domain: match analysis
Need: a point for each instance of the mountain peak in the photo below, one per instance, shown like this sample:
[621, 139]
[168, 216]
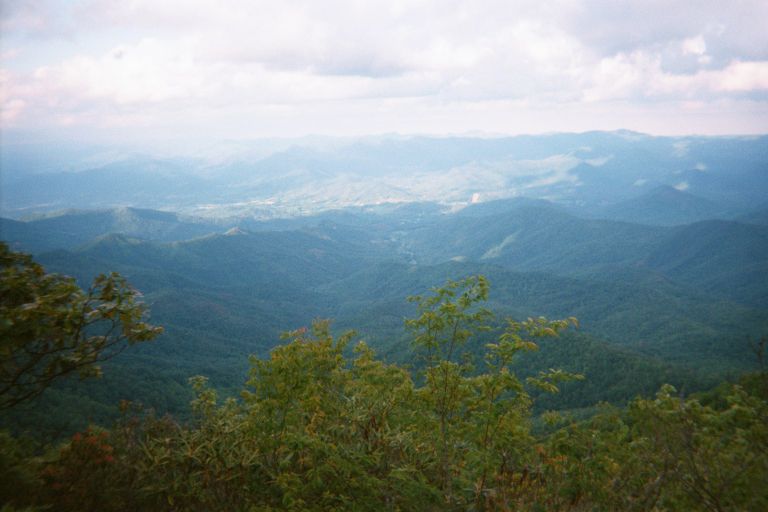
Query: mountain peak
[236, 231]
[664, 206]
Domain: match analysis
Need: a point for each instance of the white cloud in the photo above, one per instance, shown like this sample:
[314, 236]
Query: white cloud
[365, 65]
[9, 54]
[11, 110]
[682, 186]
[149, 72]
[614, 27]
[694, 46]
[741, 76]
[641, 75]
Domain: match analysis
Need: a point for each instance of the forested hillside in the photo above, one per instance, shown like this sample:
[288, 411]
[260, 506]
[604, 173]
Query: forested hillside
[664, 304]
[322, 424]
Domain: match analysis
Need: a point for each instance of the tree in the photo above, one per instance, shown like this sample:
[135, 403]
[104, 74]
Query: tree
[481, 418]
[50, 328]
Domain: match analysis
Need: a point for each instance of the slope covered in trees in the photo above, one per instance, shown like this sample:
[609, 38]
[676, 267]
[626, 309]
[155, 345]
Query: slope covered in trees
[661, 304]
[319, 427]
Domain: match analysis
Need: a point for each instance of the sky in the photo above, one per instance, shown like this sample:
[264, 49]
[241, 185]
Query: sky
[226, 69]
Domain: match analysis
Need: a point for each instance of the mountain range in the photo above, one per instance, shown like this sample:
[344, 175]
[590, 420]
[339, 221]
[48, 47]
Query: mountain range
[595, 173]
[668, 281]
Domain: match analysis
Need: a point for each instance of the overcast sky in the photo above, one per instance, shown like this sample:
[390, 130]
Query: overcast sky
[240, 69]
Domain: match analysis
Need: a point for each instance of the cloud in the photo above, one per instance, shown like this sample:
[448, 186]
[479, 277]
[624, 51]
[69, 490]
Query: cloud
[741, 76]
[26, 16]
[149, 72]
[11, 110]
[624, 26]
[641, 75]
[148, 63]
[694, 46]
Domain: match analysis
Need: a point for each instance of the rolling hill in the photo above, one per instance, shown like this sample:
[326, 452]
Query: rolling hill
[663, 206]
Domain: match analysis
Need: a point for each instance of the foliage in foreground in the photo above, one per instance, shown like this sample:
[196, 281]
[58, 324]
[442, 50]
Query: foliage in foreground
[318, 429]
[50, 328]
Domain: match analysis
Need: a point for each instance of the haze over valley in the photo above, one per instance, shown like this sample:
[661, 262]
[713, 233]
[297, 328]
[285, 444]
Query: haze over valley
[619, 175]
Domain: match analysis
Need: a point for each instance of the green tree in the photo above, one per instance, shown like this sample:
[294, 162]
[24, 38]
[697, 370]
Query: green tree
[447, 320]
[667, 453]
[479, 419]
[50, 327]
[702, 457]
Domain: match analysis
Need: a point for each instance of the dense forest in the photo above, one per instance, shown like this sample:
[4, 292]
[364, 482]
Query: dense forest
[656, 304]
[321, 423]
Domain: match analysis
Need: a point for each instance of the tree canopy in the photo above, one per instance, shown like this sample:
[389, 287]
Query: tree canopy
[51, 328]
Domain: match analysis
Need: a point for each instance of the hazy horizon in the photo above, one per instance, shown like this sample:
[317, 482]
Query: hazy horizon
[143, 71]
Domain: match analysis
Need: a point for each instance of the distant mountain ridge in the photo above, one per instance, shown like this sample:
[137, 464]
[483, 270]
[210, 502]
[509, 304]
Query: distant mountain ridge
[591, 170]
[725, 258]
[70, 229]
[664, 206]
